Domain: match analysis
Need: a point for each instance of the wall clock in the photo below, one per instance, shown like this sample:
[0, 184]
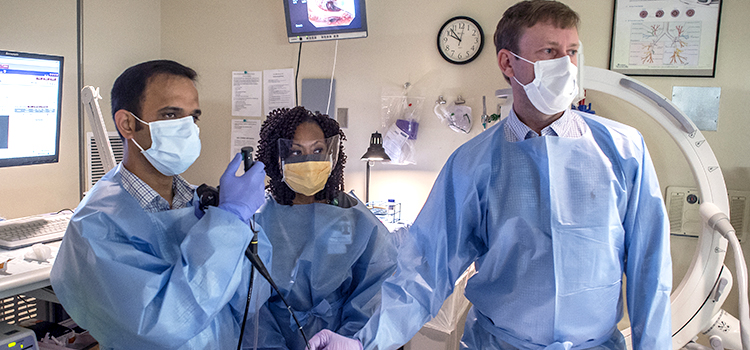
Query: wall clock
[460, 40]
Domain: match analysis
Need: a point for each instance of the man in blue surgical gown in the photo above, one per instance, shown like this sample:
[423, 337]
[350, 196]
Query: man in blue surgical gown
[136, 267]
[552, 206]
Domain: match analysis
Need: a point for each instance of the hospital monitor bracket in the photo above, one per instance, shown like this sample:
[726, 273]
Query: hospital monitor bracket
[697, 300]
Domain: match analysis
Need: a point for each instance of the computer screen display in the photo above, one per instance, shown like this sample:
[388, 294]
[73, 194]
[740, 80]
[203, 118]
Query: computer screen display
[314, 20]
[30, 108]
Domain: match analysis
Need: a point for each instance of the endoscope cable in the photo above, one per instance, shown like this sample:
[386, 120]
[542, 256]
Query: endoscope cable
[255, 260]
[253, 247]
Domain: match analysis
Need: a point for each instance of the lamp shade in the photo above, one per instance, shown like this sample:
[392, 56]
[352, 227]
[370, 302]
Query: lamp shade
[376, 152]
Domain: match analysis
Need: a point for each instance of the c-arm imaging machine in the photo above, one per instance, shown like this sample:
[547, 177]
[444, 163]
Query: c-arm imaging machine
[697, 300]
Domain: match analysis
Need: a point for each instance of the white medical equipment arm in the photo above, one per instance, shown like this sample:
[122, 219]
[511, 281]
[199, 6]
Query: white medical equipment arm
[699, 296]
[719, 221]
[90, 99]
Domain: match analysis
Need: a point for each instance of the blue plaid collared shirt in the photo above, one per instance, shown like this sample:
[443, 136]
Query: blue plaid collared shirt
[149, 199]
[568, 125]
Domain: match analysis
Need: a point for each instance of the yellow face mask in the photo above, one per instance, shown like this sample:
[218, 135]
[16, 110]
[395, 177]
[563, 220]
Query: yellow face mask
[307, 178]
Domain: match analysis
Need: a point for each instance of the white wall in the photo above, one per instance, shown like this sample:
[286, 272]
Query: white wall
[117, 35]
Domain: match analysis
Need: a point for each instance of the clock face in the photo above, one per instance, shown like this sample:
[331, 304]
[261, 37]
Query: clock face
[460, 40]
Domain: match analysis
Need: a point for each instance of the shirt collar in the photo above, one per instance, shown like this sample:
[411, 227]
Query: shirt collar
[149, 199]
[569, 125]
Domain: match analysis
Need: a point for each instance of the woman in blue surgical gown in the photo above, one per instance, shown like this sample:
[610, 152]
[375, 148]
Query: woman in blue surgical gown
[330, 253]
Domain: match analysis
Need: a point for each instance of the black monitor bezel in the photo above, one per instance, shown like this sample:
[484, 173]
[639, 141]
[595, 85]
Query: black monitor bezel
[322, 35]
[52, 158]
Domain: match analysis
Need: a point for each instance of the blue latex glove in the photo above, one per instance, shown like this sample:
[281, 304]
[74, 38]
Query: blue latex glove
[328, 340]
[242, 195]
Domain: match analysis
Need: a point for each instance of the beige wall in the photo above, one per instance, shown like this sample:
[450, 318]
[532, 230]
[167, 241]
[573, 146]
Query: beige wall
[117, 35]
[218, 37]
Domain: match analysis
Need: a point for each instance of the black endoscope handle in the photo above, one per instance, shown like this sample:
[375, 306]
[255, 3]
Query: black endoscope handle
[247, 157]
[252, 250]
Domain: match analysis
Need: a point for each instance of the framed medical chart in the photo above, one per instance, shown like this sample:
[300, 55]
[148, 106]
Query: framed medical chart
[665, 37]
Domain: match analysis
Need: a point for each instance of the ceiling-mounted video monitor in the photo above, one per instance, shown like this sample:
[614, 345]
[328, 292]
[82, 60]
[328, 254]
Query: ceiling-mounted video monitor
[316, 20]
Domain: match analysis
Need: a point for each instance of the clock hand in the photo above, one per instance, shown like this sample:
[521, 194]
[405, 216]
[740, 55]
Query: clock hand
[455, 36]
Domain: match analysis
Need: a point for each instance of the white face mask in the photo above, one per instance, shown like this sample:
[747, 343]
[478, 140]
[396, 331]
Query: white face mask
[175, 144]
[554, 86]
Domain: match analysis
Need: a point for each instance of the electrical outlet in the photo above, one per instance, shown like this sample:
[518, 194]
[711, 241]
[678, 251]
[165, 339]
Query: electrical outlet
[683, 208]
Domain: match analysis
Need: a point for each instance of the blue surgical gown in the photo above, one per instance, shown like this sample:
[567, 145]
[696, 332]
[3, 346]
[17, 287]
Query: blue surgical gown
[329, 263]
[166, 280]
[552, 224]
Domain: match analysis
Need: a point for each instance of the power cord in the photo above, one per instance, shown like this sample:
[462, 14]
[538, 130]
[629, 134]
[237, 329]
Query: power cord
[330, 87]
[296, 76]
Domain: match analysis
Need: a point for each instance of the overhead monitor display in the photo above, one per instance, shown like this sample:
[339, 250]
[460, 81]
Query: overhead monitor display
[30, 108]
[315, 20]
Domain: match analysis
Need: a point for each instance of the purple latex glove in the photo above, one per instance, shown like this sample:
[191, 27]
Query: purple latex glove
[242, 195]
[328, 340]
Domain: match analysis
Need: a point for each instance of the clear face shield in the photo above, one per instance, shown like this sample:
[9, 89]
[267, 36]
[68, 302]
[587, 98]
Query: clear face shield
[306, 165]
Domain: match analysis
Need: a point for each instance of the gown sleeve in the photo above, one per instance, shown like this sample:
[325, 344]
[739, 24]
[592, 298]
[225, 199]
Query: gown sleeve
[648, 266]
[376, 264]
[128, 295]
[445, 239]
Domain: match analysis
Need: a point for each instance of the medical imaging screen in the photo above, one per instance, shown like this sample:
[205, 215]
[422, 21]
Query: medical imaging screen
[29, 107]
[307, 16]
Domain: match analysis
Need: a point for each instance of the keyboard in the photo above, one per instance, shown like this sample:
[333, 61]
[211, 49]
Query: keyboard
[26, 231]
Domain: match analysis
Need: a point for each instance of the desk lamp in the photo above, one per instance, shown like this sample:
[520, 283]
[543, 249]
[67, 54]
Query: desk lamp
[375, 153]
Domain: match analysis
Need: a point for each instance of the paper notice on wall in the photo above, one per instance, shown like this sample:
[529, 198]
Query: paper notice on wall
[245, 132]
[246, 91]
[278, 89]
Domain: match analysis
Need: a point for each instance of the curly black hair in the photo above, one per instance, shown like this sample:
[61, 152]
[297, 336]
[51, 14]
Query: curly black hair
[282, 123]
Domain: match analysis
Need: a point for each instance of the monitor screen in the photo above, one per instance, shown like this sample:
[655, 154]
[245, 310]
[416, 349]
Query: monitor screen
[314, 20]
[30, 108]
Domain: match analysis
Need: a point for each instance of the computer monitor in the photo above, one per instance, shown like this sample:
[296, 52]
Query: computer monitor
[315, 20]
[30, 108]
